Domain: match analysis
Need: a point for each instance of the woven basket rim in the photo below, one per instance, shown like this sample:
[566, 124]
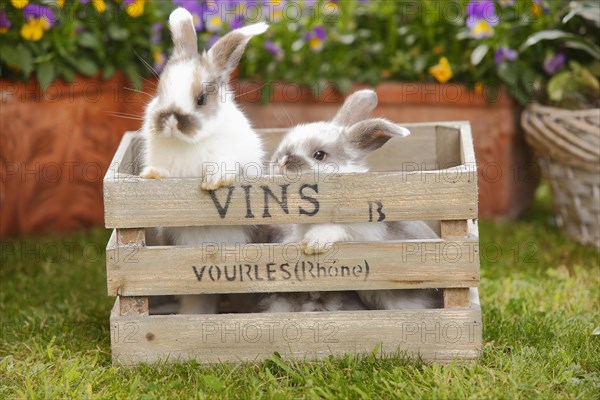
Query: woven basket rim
[562, 111]
[553, 139]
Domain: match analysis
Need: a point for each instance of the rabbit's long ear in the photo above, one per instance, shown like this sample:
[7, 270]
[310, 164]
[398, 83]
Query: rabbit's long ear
[225, 54]
[371, 134]
[185, 41]
[357, 107]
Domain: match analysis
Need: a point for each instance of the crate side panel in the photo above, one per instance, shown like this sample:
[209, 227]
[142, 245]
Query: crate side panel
[437, 335]
[368, 197]
[136, 271]
[447, 147]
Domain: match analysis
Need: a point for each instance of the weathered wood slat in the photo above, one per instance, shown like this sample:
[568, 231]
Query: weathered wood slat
[407, 192]
[120, 155]
[165, 270]
[131, 239]
[429, 195]
[437, 335]
[455, 297]
[454, 229]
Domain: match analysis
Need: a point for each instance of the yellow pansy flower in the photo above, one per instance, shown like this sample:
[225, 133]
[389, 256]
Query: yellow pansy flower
[315, 44]
[214, 24]
[60, 3]
[99, 5]
[442, 72]
[478, 89]
[19, 3]
[33, 29]
[158, 57]
[482, 30]
[136, 8]
[277, 15]
[331, 8]
[44, 23]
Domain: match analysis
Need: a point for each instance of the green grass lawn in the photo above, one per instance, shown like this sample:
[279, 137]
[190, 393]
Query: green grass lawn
[539, 296]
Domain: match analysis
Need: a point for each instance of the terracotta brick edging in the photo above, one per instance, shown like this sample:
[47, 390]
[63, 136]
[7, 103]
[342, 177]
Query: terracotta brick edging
[57, 144]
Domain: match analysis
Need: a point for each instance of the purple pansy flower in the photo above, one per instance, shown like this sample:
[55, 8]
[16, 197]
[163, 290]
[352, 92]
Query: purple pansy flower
[4, 22]
[315, 38]
[274, 49]
[31, 11]
[237, 22]
[554, 63]
[319, 32]
[504, 53]
[156, 33]
[481, 10]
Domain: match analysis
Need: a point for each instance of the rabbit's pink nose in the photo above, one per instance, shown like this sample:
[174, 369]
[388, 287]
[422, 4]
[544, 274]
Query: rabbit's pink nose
[171, 123]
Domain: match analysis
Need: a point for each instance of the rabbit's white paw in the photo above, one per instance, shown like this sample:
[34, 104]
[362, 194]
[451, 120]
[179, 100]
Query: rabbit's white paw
[154, 173]
[321, 238]
[214, 182]
[311, 246]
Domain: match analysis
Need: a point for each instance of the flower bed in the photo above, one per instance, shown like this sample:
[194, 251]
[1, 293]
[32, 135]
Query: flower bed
[481, 42]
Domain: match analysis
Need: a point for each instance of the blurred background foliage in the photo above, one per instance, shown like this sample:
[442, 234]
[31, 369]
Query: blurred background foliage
[545, 50]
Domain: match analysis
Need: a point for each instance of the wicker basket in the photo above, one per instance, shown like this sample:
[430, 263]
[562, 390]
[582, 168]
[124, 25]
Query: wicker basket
[568, 146]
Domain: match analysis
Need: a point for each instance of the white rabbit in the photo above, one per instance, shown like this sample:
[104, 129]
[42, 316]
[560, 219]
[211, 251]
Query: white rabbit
[193, 128]
[345, 143]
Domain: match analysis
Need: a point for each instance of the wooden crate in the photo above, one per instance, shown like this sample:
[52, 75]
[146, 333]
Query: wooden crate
[430, 175]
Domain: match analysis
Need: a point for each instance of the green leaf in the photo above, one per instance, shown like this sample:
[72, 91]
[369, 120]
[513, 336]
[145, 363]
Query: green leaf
[571, 40]
[67, 73]
[589, 48]
[46, 73]
[589, 80]
[117, 32]
[134, 76]
[478, 53]
[108, 72]
[507, 74]
[551, 34]
[86, 67]
[588, 10]
[86, 39]
[17, 57]
[558, 83]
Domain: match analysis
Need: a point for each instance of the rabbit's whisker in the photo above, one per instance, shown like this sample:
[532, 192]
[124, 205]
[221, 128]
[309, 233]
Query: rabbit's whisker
[154, 72]
[138, 91]
[251, 91]
[288, 116]
[125, 116]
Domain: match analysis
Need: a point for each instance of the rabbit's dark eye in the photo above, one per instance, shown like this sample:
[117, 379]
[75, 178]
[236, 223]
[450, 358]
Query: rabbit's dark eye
[319, 155]
[201, 100]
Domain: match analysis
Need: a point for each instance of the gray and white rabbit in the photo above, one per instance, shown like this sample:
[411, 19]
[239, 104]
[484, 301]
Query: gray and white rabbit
[345, 142]
[193, 128]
